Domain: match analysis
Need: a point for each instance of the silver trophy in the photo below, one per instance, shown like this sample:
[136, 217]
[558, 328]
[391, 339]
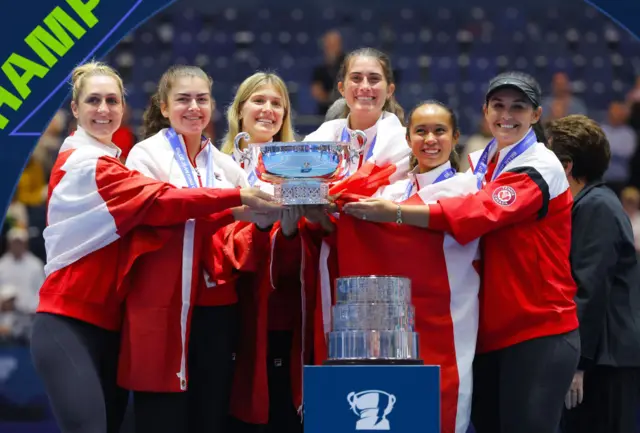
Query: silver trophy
[300, 172]
[373, 321]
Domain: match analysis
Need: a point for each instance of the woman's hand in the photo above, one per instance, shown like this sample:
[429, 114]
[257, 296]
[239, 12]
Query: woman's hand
[263, 219]
[319, 215]
[289, 221]
[258, 200]
[372, 209]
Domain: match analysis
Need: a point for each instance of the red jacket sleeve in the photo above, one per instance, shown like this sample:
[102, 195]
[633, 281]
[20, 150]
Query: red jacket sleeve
[134, 199]
[515, 196]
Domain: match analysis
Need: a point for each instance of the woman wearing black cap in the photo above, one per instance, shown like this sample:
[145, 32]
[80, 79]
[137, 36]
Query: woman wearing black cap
[528, 343]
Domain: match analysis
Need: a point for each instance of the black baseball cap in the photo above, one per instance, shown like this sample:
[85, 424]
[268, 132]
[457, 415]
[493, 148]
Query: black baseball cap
[525, 84]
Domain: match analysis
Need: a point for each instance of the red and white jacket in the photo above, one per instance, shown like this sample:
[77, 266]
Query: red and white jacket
[389, 159]
[94, 203]
[263, 269]
[164, 282]
[285, 286]
[444, 280]
[524, 219]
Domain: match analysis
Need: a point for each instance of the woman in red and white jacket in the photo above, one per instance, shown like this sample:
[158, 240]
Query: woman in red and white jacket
[173, 394]
[94, 205]
[266, 280]
[444, 277]
[367, 84]
[528, 343]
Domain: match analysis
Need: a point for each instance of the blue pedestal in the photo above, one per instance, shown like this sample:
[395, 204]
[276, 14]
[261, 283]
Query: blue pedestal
[395, 398]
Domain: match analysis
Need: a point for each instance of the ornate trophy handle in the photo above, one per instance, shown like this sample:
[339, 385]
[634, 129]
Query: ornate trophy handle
[356, 149]
[245, 154]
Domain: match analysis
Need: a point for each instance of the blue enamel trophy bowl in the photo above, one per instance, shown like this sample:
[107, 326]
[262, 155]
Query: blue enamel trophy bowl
[300, 172]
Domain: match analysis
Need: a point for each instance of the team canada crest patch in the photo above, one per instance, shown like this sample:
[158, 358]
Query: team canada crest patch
[504, 195]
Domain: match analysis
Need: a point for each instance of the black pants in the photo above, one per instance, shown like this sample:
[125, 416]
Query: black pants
[77, 363]
[204, 408]
[521, 389]
[283, 416]
[610, 402]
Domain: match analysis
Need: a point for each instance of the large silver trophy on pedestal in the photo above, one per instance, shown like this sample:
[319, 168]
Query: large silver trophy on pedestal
[373, 322]
[300, 172]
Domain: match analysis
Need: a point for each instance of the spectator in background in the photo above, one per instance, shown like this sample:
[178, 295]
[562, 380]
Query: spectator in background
[604, 392]
[562, 102]
[623, 142]
[477, 141]
[14, 323]
[46, 150]
[324, 76]
[22, 269]
[630, 198]
[633, 120]
[17, 215]
[336, 111]
[31, 190]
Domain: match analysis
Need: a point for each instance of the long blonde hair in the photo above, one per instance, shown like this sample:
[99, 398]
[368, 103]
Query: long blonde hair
[248, 88]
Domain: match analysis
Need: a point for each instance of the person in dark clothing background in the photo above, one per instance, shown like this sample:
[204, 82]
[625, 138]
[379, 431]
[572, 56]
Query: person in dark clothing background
[604, 393]
[323, 80]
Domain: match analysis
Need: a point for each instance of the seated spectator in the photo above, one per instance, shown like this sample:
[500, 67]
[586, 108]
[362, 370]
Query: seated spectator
[22, 269]
[14, 324]
[623, 141]
[32, 186]
[562, 100]
[630, 198]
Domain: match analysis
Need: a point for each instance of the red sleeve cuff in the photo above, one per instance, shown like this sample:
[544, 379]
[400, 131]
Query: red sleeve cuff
[437, 219]
[228, 198]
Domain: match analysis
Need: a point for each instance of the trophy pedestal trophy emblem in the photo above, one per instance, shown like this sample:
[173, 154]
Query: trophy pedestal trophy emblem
[373, 322]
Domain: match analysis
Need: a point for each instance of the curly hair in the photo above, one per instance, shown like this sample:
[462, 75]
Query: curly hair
[580, 140]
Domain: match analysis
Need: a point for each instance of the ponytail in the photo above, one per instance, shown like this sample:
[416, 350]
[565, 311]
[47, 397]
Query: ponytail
[540, 133]
[392, 106]
[454, 159]
[153, 121]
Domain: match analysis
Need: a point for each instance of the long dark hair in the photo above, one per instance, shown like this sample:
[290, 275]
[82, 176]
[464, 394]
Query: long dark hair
[391, 104]
[152, 120]
[454, 158]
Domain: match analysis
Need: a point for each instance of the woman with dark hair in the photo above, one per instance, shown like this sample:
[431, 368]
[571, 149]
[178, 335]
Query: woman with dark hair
[528, 343]
[187, 389]
[446, 296]
[604, 392]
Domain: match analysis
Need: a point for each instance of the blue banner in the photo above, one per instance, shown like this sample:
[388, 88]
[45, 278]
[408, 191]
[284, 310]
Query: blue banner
[41, 46]
[397, 398]
[24, 405]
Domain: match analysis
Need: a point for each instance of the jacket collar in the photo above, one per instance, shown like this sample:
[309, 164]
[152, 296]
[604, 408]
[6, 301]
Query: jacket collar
[587, 188]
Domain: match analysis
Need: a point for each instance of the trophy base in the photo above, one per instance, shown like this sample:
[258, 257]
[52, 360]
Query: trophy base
[387, 345]
[301, 192]
[374, 362]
